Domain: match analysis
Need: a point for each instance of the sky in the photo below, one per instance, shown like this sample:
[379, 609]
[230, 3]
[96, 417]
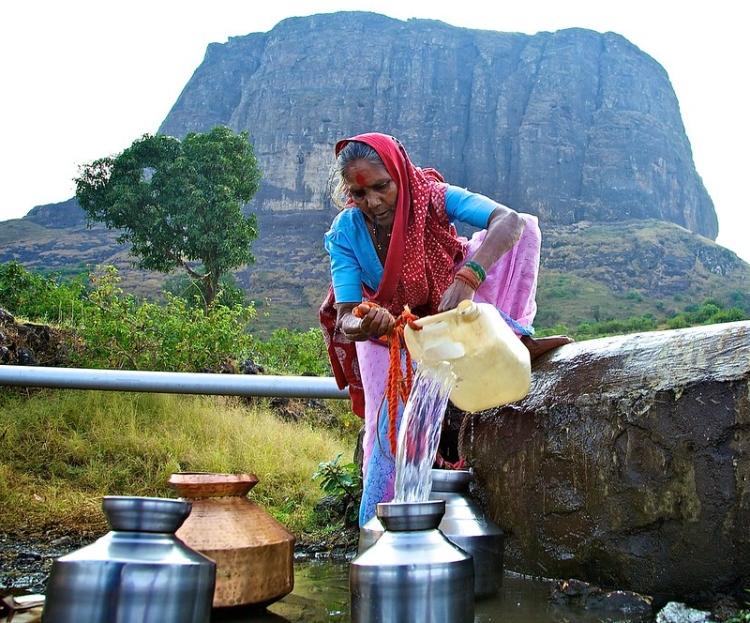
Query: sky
[82, 79]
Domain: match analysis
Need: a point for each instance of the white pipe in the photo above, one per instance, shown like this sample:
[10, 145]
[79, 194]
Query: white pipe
[173, 382]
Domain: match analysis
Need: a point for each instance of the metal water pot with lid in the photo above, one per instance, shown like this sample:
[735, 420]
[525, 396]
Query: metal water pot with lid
[463, 524]
[140, 572]
[412, 573]
[491, 365]
[467, 526]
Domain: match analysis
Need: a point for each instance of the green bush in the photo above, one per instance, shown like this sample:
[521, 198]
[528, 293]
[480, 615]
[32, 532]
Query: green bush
[556, 329]
[710, 311]
[116, 330]
[293, 352]
[41, 297]
[343, 482]
[121, 332]
[188, 289]
[633, 324]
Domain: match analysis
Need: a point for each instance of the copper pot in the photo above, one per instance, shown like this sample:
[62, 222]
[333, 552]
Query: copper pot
[254, 553]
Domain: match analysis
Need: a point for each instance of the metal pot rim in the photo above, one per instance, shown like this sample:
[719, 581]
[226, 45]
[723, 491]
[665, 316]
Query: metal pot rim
[407, 516]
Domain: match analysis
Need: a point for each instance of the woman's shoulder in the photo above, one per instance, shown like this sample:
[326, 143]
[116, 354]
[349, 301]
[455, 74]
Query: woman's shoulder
[346, 219]
[345, 225]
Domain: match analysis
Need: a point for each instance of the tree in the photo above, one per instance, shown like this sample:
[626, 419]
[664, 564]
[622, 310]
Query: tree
[178, 202]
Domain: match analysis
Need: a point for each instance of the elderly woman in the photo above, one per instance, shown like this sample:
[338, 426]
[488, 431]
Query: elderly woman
[394, 243]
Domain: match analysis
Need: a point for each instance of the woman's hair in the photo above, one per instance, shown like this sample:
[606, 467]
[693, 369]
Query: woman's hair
[353, 151]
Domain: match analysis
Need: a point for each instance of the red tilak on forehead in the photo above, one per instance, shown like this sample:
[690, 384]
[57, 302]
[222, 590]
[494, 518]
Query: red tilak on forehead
[360, 179]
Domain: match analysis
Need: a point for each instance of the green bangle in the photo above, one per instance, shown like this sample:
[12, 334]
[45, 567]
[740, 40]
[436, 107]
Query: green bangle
[477, 269]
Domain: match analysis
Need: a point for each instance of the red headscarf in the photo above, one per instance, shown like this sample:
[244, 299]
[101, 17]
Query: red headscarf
[421, 256]
[424, 247]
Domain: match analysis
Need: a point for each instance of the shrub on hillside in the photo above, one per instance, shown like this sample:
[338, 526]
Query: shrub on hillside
[711, 311]
[121, 332]
[116, 330]
[188, 289]
[293, 352]
[45, 298]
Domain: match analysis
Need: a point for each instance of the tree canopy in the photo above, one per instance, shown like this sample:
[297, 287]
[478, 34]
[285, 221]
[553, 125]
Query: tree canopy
[178, 202]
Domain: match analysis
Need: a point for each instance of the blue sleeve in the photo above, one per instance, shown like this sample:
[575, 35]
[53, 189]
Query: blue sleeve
[468, 207]
[346, 273]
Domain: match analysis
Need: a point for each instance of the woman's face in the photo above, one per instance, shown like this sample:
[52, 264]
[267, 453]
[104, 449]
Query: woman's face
[372, 190]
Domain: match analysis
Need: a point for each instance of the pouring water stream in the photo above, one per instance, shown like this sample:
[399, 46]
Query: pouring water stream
[419, 434]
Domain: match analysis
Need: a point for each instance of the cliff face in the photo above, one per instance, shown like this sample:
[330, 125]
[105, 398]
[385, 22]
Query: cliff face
[59, 215]
[573, 125]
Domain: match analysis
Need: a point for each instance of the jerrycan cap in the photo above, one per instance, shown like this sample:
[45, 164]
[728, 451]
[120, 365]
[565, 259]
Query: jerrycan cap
[467, 310]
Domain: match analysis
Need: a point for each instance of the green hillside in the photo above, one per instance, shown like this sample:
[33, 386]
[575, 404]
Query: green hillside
[589, 271]
[603, 271]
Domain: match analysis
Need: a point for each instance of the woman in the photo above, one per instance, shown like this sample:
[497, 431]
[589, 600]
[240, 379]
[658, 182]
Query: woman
[394, 244]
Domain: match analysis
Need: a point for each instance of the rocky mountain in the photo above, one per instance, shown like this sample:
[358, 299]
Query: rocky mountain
[578, 127]
[57, 215]
[572, 125]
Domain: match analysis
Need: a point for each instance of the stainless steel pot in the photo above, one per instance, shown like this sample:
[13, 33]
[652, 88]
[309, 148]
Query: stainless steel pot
[140, 572]
[468, 527]
[463, 524]
[412, 573]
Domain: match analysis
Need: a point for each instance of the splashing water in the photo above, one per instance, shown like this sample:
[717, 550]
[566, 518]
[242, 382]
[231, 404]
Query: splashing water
[419, 433]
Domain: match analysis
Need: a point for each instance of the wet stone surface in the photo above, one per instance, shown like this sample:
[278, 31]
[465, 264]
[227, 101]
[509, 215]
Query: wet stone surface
[25, 562]
[628, 464]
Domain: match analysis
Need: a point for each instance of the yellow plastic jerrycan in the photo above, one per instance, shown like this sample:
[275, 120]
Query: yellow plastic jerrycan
[491, 365]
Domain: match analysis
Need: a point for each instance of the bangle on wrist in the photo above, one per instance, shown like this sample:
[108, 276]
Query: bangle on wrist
[477, 269]
[469, 277]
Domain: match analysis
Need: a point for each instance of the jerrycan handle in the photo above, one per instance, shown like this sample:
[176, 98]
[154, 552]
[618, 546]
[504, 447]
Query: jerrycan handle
[436, 339]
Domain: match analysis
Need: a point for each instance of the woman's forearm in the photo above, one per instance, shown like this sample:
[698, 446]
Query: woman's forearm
[503, 231]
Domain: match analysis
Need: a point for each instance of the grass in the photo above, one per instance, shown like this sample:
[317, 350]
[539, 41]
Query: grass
[61, 451]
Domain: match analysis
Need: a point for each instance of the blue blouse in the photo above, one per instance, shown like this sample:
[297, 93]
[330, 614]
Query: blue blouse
[354, 259]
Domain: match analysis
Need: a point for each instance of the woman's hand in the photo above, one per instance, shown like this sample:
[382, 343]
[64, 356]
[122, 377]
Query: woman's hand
[458, 291]
[376, 322]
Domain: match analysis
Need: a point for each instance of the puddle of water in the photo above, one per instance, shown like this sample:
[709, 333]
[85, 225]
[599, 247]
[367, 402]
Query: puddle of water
[321, 595]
